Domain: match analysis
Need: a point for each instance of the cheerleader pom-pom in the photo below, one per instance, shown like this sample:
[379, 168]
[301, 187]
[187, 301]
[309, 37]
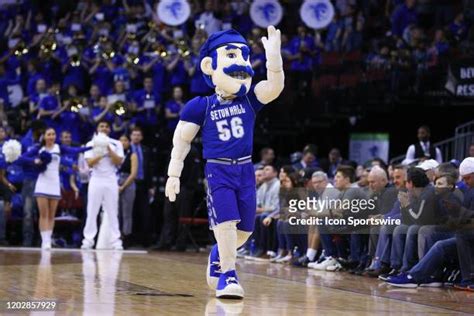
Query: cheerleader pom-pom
[45, 158]
[11, 150]
[100, 144]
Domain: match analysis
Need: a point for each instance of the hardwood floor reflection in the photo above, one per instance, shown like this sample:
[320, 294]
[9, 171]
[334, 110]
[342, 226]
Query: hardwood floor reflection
[116, 283]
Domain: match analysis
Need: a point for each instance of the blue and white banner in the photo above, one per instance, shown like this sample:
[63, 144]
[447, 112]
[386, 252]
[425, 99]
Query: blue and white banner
[317, 14]
[266, 12]
[173, 12]
[367, 146]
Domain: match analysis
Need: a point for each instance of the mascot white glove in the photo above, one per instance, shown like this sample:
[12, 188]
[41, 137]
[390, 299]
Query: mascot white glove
[172, 188]
[272, 46]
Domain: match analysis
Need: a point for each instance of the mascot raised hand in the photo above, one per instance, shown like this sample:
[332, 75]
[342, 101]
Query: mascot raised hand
[226, 120]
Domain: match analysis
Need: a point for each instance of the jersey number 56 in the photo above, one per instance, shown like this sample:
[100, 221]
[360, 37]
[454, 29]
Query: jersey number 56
[236, 129]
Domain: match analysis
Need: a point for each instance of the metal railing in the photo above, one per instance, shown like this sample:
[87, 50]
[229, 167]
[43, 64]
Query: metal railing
[456, 147]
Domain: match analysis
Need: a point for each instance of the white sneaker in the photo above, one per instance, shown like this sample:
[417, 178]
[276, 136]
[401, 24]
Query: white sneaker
[334, 267]
[285, 259]
[46, 246]
[329, 261]
[117, 247]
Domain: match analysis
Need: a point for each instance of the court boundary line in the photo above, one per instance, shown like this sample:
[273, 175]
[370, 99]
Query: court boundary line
[66, 250]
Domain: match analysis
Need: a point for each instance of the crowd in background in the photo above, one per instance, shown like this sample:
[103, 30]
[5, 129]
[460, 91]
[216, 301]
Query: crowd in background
[433, 201]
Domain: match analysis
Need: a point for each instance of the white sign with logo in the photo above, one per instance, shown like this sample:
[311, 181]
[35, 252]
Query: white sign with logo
[173, 12]
[367, 146]
[266, 12]
[317, 14]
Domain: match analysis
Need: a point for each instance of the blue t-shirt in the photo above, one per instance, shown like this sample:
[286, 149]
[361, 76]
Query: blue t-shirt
[49, 103]
[198, 85]
[145, 99]
[227, 128]
[70, 121]
[174, 107]
[103, 78]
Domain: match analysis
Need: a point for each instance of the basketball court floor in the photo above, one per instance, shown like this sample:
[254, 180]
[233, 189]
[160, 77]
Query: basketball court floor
[140, 283]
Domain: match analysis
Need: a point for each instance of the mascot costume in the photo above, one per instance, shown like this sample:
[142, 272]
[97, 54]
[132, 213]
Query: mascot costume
[227, 120]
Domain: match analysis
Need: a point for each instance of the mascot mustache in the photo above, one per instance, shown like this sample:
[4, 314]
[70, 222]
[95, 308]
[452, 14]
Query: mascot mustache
[239, 72]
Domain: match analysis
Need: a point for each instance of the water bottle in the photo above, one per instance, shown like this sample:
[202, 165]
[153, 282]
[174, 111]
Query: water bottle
[253, 247]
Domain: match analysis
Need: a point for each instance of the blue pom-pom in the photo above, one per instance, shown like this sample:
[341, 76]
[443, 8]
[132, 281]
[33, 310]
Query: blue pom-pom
[45, 158]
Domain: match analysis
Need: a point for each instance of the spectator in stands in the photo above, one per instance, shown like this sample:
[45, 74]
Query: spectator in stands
[259, 177]
[334, 160]
[309, 159]
[471, 151]
[127, 174]
[146, 103]
[29, 141]
[423, 149]
[459, 28]
[267, 203]
[267, 157]
[303, 50]
[404, 15]
[207, 20]
[173, 108]
[381, 261]
[417, 208]
[145, 188]
[428, 272]
[384, 197]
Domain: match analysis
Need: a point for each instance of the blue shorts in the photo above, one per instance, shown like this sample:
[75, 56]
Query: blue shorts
[231, 194]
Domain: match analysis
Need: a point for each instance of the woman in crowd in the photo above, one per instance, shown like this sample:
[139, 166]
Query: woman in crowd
[127, 174]
[287, 241]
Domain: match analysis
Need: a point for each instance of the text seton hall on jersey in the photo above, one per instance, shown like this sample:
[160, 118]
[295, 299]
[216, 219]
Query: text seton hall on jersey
[229, 111]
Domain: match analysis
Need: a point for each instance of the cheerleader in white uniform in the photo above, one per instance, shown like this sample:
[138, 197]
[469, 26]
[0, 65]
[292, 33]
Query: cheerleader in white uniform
[48, 186]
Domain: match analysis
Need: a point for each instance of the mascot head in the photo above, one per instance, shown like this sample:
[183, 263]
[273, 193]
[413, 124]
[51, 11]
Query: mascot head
[225, 63]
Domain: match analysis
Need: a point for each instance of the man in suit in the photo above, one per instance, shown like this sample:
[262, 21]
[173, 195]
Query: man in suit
[174, 234]
[145, 188]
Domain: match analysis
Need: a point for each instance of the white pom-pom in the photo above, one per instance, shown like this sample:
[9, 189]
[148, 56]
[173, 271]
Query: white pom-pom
[100, 144]
[11, 150]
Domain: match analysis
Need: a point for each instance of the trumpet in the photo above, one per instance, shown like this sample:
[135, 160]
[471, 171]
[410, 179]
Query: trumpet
[132, 59]
[21, 49]
[161, 51]
[119, 108]
[48, 46]
[108, 54]
[76, 104]
[183, 48]
[75, 60]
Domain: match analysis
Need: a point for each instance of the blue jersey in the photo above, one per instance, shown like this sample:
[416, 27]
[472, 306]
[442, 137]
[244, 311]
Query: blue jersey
[227, 128]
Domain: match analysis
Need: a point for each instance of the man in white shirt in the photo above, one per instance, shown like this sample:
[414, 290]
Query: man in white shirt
[423, 149]
[103, 189]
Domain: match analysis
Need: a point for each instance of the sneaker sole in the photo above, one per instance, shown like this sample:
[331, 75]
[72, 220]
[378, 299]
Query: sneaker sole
[432, 285]
[232, 291]
[407, 286]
